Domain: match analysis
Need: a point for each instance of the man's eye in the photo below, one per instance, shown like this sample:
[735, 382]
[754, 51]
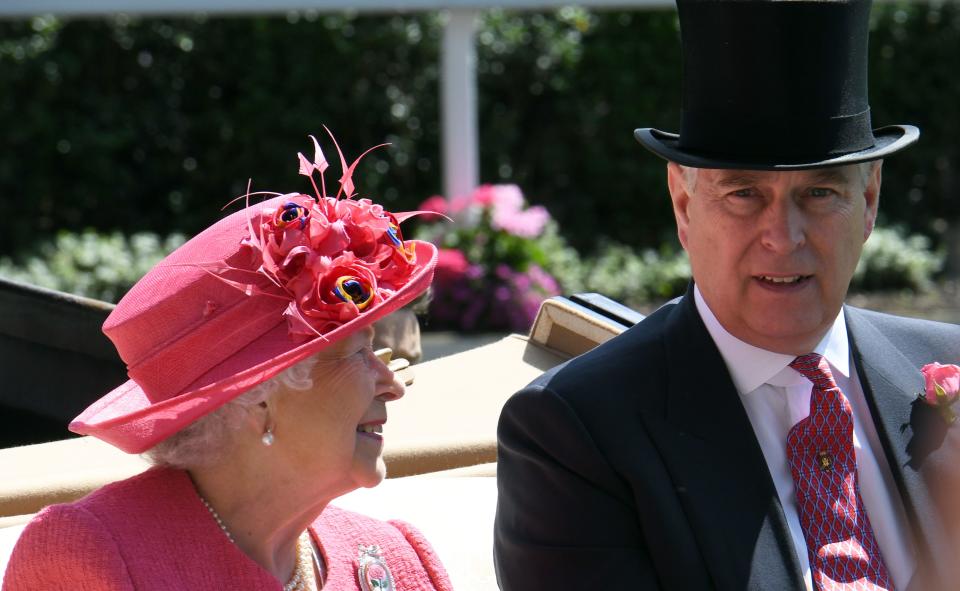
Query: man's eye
[820, 192]
[743, 193]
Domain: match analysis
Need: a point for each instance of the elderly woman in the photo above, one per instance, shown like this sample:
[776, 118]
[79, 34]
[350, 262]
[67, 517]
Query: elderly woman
[255, 391]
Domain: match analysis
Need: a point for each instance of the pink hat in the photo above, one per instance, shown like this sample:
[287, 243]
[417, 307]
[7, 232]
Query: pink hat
[250, 296]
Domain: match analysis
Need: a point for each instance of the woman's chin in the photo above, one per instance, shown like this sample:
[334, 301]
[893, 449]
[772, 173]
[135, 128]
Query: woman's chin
[371, 476]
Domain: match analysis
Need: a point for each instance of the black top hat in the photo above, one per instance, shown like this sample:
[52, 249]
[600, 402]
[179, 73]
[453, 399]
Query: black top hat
[775, 85]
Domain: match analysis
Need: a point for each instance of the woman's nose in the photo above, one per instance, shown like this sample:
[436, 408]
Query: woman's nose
[390, 386]
[394, 390]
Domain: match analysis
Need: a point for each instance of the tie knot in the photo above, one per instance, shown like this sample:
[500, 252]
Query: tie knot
[816, 369]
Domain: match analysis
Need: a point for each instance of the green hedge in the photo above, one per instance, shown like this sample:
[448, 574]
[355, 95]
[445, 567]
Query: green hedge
[106, 266]
[154, 124]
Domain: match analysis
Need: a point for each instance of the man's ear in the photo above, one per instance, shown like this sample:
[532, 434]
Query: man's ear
[677, 184]
[871, 194]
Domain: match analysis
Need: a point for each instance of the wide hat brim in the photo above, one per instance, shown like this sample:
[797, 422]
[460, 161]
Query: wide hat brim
[129, 420]
[887, 140]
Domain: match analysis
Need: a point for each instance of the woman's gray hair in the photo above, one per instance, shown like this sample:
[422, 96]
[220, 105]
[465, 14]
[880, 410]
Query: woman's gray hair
[203, 441]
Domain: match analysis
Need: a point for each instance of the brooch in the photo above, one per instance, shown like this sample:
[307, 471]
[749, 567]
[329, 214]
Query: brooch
[942, 389]
[373, 572]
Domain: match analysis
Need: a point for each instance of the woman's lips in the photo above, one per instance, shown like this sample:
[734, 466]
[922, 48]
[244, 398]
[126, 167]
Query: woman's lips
[372, 430]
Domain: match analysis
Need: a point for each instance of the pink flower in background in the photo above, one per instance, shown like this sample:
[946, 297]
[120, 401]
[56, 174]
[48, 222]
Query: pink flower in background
[436, 203]
[451, 261]
[487, 277]
[485, 195]
[544, 280]
[458, 204]
[526, 224]
[506, 210]
[506, 199]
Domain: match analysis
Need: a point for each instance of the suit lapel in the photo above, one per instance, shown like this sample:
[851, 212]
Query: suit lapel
[891, 383]
[719, 469]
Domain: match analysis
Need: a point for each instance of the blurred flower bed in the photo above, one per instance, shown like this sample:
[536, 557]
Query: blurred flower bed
[499, 259]
[491, 273]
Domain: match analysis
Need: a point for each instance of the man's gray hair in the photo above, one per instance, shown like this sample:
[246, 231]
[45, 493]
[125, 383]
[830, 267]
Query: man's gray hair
[203, 441]
[865, 168]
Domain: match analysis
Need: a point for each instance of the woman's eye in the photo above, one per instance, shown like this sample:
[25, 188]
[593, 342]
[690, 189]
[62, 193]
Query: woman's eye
[366, 353]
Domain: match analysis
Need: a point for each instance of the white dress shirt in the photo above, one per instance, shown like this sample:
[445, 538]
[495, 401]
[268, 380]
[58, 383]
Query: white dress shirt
[776, 397]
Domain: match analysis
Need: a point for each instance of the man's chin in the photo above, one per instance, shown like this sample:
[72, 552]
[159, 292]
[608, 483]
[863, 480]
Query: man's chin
[788, 334]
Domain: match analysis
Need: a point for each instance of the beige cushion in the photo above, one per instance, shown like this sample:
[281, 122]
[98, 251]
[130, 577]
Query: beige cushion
[59, 472]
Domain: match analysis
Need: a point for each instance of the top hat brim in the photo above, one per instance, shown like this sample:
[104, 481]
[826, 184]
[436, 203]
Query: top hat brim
[887, 140]
[128, 419]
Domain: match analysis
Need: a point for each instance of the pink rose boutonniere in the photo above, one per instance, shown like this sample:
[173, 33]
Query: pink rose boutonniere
[942, 388]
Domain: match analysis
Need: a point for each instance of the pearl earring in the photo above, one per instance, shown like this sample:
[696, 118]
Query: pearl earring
[267, 438]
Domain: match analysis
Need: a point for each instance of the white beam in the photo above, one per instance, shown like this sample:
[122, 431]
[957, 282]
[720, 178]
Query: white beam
[458, 103]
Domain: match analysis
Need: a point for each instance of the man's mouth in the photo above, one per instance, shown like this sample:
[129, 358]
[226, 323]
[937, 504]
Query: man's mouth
[783, 279]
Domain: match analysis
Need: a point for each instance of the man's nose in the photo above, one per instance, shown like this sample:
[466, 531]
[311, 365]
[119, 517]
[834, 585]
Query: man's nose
[783, 227]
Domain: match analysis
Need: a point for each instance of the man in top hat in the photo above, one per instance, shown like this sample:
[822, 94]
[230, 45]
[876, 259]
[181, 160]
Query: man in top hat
[757, 433]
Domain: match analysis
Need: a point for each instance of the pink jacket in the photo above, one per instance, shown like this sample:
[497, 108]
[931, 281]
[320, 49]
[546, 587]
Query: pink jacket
[151, 532]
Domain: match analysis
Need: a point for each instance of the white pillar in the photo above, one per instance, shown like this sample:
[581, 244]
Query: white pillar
[458, 104]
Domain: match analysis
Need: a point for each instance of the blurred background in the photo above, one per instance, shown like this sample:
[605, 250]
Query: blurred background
[124, 135]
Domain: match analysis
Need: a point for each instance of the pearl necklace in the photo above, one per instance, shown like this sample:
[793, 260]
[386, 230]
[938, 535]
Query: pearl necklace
[303, 573]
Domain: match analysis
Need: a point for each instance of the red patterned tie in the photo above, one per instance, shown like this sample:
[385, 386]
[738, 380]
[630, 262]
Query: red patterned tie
[841, 547]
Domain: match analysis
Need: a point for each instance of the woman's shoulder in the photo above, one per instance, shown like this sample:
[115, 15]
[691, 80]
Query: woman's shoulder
[101, 510]
[149, 532]
[125, 507]
[409, 556]
[66, 547]
[98, 541]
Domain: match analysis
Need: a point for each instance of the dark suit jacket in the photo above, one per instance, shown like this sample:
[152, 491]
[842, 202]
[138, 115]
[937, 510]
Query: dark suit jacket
[634, 466]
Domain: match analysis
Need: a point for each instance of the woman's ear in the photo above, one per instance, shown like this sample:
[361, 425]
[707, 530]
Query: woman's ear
[261, 420]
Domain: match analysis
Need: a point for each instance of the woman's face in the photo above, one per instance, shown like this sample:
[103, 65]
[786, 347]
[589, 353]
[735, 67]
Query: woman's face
[332, 432]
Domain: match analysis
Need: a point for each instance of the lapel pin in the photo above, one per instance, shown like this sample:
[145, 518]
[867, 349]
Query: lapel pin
[373, 572]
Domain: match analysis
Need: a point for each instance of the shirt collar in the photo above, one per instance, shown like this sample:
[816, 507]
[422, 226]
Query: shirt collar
[751, 367]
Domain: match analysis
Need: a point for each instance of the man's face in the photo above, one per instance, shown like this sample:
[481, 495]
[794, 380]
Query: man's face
[773, 252]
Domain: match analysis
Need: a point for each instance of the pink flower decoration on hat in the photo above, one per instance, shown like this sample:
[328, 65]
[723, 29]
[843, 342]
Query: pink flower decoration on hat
[331, 257]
